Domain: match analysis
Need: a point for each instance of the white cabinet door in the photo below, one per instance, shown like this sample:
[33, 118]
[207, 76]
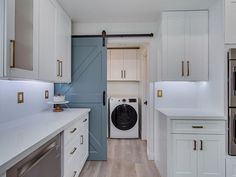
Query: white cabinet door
[184, 155]
[108, 65]
[48, 66]
[196, 59]
[117, 64]
[230, 166]
[230, 22]
[130, 64]
[185, 46]
[2, 16]
[21, 39]
[211, 156]
[173, 46]
[63, 46]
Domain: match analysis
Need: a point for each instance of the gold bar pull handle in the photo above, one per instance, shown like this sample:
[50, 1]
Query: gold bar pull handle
[74, 174]
[73, 131]
[188, 68]
[58, 68]
[182, 68]
[194, 145]
[82, 139]
[12, 53]
[73, 151]
[61, 68]
[201, 142]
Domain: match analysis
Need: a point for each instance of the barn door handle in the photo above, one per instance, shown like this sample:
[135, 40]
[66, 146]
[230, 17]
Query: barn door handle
[104, 98]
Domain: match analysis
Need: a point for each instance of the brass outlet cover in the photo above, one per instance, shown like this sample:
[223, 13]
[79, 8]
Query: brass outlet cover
[159, 93]
[46, 94]
[20, 97]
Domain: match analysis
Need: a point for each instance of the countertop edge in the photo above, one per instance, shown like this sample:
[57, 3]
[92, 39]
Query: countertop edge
[4, 167]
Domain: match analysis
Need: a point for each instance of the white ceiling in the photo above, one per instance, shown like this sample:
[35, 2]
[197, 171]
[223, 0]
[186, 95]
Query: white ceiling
[126, 10]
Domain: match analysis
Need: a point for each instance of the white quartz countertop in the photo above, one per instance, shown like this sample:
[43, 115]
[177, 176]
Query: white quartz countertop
[175, 113]
[21, 137]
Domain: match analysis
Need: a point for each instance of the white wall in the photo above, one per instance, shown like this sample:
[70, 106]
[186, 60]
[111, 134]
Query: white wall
[177, 95]
[34, 98]
[211, 93]
[123, 89]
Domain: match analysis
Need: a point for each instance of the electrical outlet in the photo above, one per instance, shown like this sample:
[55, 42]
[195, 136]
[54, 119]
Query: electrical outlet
[46, 94]
[20, 97]
[159, 93]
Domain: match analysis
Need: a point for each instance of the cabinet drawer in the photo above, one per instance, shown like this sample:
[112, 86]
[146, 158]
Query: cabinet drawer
[72, 152]
[74, 129]
[198, 126]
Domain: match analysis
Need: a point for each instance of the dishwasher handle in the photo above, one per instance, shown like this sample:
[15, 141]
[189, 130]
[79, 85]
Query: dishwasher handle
[37, 159]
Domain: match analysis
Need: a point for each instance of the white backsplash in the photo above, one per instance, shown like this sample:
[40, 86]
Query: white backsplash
[177, 95]
[34, 100]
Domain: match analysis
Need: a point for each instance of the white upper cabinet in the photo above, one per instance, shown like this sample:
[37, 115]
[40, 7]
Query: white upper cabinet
[230, 22]
[185, 46]
[47, 40]
[21, 39]
[117, 64]
[131, 63]
[63, 46]
[1, 36]
[124, 65]
[37, 41]
[54, 43]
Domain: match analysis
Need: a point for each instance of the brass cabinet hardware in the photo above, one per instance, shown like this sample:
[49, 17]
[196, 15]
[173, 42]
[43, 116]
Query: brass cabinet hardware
[82, 139]
[61, 68]
[201, 142]
[197, 127]
[58, 68]
[188, 70]
[182, 68]
[121, 73]
[75, 172]
[12, 53]
[125, 74]
[194, 145]
[73, 151]
[73, 131]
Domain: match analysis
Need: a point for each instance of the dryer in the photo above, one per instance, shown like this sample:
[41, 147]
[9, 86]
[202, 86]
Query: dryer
[124, 117]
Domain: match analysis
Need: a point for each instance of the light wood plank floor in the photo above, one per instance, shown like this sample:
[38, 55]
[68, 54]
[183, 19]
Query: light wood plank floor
[126, 158]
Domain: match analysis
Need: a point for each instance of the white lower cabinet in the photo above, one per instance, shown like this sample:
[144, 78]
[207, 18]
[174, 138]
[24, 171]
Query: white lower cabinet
[184, 157]
[3, 175]
[231, 166]
[211, 156]
[198, 154]
[76, 147]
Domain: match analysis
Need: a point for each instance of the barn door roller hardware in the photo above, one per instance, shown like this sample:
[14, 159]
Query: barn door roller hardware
[104, 36]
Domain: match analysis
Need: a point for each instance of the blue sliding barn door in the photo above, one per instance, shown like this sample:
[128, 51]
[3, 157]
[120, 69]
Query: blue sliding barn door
[88, 90]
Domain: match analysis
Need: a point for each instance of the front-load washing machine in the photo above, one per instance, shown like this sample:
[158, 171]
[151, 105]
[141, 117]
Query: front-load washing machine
[124, 117]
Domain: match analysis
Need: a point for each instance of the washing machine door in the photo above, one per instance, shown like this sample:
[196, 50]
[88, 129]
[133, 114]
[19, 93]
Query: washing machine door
[124, 117]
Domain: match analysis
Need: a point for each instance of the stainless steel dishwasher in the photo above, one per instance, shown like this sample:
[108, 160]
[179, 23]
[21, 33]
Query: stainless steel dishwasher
[44, 162]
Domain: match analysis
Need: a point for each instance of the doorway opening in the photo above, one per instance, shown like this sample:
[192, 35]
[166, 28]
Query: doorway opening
[127, 90]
